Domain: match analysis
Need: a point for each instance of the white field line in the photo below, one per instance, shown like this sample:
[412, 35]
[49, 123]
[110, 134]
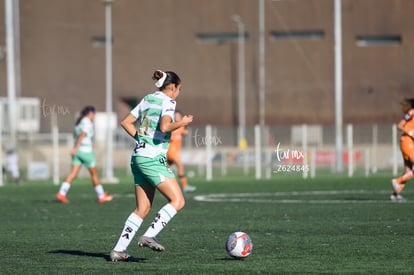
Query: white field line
[277, 197]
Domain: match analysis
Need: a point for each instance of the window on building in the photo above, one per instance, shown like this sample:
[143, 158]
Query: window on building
[100, 41]
[302, 34]
[378, 40]
[219, 37]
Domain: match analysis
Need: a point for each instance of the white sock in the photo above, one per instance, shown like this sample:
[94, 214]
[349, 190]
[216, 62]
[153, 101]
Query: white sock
[132, 225]
[99, 191]
[160, 221]
[64, 188]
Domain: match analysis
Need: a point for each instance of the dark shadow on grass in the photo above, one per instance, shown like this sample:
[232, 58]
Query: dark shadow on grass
[92, 254]
[231, 259]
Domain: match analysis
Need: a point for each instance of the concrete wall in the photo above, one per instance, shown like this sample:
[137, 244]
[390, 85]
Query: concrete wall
[62, 65]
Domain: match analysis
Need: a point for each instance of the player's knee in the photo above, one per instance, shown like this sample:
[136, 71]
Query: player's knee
[178, 204]
[142, 212]
[181, 205]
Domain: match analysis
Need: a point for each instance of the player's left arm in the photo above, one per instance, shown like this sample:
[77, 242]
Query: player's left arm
[167, 125]
[401, 125]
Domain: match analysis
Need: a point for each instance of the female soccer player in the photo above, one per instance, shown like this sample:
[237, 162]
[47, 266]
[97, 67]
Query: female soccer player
[174, 153]
[155, 114]
[82, 154]
[406, 126]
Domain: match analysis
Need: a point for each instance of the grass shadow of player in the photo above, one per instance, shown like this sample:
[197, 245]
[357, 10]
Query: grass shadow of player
[92, 254]
[226, 259]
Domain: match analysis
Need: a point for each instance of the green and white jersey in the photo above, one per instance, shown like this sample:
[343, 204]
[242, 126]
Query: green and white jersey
[85, 125]
[151, 142]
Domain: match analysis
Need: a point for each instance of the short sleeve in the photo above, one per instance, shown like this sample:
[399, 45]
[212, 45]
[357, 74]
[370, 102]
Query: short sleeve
[409, 115]
[168, 108]
[135, 112]
[87, 126]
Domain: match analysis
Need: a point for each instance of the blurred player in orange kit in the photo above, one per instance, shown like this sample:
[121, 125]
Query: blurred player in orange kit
[174, 153]
[406, 126]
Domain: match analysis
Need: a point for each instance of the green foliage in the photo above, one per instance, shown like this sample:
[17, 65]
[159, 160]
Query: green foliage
[330, 224]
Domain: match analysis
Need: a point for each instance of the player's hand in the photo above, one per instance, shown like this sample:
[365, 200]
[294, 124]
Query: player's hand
[187, 119]
[410, 133]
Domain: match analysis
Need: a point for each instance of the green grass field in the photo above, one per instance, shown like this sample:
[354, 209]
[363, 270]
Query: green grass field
[331, 224]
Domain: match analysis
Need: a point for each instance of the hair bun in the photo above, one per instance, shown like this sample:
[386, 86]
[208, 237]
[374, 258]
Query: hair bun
[158, 74]
[160, 78]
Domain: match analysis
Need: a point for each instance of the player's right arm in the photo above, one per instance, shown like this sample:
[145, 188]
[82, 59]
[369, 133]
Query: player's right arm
[128, 123]
[78, 143]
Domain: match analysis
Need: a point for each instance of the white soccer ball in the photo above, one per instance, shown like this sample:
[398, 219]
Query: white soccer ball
[239, 245]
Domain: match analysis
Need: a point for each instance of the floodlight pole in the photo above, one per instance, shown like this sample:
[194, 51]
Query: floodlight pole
[108, 173]
[338, 86]
[1, 147]
[262, 41]
[11, 67]
[242, 80]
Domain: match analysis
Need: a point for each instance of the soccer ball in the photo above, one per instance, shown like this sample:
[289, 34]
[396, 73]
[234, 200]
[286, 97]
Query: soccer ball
[239, 245]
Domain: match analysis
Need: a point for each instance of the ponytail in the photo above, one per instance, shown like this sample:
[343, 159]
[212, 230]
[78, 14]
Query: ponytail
[85, 111]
